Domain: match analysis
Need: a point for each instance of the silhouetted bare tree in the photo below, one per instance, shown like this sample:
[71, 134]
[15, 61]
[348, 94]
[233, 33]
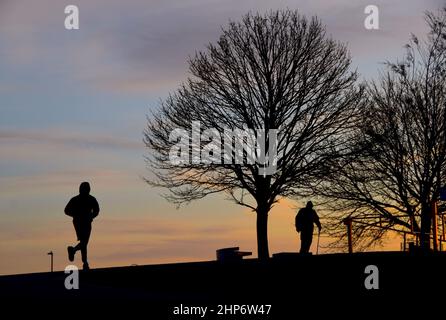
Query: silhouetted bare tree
[274, 71]
[397, 159]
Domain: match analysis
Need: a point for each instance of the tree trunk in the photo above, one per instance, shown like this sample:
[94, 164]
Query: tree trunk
[426, 225]
[262, 232]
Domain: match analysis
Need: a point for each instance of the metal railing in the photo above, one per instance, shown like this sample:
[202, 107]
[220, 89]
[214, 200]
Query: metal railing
[436, 240]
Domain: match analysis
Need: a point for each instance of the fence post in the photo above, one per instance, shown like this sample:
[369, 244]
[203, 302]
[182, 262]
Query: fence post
[412, 223]
[435, 225]
[348, 223]
[442, 226]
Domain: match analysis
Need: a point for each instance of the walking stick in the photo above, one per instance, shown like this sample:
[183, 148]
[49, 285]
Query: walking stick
[318, 237]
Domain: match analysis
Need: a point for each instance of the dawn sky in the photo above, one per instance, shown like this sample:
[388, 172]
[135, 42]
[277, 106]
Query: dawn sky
[73, 106]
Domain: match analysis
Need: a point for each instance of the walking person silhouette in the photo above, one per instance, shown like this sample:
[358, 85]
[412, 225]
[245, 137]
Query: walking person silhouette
[305, 220]
[83, 208]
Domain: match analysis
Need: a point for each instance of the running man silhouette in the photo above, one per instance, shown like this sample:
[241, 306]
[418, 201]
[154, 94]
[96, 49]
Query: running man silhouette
[305, 220]
[83, 208]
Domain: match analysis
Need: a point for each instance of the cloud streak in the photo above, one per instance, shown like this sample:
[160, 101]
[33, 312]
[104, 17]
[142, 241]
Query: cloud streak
[63, 138]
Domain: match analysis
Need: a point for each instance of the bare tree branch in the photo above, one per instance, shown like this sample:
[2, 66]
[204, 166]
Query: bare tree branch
[274, 71]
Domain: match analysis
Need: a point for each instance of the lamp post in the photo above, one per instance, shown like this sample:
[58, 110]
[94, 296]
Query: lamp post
[51, 254]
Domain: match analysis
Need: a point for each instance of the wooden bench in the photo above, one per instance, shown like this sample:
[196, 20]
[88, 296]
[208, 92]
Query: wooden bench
[231, 254]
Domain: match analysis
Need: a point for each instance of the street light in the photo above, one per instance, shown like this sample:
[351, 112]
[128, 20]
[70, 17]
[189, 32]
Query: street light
[51, 254]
